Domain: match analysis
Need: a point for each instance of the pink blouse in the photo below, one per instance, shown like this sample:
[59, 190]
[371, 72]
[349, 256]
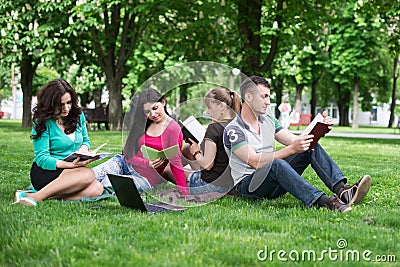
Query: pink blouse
[171, 136]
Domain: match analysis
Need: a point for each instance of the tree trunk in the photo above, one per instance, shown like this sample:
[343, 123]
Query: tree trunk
[85, 98]
[393, 104]
[343, 105]
[278, 92]
[249, 25]
[274, 39]
[183, 89]
[313, 100]
[27, 72]
[112, 58]
[115, 115]
[97, 97]
[297, 101]
[114, 73]
[355, 103]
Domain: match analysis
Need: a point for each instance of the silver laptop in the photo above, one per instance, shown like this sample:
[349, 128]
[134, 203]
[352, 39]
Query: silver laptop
[129, 196]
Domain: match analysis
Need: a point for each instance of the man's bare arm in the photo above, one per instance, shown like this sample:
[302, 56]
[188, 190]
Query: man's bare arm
[257, 160]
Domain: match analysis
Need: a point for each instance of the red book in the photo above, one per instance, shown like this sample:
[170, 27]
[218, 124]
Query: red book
[317, 128]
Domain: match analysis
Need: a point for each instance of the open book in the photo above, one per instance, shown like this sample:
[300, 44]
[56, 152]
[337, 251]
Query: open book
[317, 128]
[152, 154]
[91, 155]
[192, 128]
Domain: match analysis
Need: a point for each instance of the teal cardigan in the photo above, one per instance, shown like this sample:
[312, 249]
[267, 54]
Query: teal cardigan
[54, 144]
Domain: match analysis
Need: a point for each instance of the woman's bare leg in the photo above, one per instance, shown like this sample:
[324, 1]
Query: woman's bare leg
[93, 190]
[74, 183]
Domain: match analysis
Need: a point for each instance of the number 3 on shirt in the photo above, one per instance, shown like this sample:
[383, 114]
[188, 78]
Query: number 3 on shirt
[233, 137]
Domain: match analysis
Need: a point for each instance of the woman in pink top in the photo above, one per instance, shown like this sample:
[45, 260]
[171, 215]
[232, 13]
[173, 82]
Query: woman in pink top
[153, 127]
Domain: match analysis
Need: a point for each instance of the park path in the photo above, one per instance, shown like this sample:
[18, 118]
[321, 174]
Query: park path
[363, 135]
[359, 135]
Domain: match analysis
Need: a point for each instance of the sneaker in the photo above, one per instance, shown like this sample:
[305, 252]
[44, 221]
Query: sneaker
[353, 194]
[335, 203]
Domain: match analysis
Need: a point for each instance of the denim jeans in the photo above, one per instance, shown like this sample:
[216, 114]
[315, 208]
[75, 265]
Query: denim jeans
[197, 186]
[280, 176]
[117, 165]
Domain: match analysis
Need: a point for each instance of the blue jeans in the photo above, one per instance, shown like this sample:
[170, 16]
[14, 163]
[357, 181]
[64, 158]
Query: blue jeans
[198, 186]
[280, 176]
[118, 165]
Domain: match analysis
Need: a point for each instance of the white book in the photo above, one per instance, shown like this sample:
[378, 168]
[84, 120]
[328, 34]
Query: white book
[192, 128]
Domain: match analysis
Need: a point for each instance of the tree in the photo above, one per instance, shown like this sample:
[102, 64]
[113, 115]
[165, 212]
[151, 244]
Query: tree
[5, 83]
[299, 65]
[352, 46]
[389, 11]
[191, 31]
[298, 61]
[30, 31]
[110, 31]
[250, 30]
[394, 88]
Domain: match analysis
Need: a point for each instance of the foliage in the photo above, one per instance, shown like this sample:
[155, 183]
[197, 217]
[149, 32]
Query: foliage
[87, 78]
[5, 82]
[352, 43]
[43, 76]
[118, 45]
[389, 15]
[30, 33]
[327, 89]
[200, 30]
[110, 31]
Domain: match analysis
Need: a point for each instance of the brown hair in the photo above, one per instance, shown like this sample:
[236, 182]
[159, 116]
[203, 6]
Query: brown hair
[230, 98]
[250, 84]
[49, 106]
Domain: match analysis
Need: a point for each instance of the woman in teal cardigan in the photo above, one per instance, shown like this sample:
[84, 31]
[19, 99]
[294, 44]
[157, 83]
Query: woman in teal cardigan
[59, 129]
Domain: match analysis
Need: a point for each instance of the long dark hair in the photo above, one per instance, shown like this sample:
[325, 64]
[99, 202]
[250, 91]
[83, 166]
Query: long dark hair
[49, 106]
[140, 122]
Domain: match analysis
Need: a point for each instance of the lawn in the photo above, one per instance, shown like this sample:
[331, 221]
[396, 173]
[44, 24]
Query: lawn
[226, 232]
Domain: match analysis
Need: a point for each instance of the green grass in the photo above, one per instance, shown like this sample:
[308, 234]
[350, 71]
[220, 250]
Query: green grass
[227, 232]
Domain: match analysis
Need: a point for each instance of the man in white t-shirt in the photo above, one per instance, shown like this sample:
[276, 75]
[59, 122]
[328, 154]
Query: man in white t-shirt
[260, 172]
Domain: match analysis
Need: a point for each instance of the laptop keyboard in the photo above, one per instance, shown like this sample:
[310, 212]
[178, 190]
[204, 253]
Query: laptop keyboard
[155, 209]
